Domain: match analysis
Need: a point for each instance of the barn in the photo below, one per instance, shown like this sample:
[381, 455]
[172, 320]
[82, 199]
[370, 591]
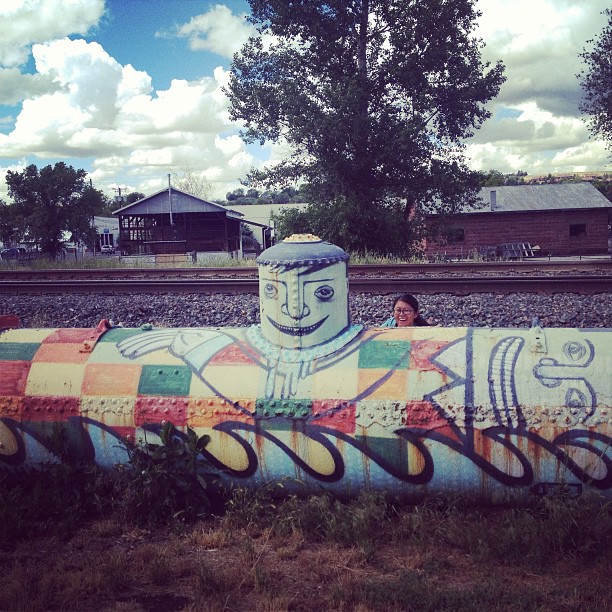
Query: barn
[172, 221]
[557, 219]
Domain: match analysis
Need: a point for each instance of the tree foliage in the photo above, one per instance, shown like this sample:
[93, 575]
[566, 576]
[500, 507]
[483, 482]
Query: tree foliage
[8, 231]
[134, 197]
[193, 184]
[252, 196]
[604, 186]
[494, 178]
[596, 81]
[50, 202]
[375, 102]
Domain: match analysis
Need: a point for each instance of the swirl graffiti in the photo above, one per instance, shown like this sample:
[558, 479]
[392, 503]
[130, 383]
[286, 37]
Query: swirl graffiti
[81, 433]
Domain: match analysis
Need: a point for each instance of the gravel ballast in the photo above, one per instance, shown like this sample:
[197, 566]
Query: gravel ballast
[230, 310]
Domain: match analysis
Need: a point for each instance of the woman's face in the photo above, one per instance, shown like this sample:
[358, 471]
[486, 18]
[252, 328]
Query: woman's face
[404, 314]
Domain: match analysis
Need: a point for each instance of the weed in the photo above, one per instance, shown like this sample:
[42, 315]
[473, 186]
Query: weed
[376, 259]
[248, 550]
[170, 481]
[325, 518]
[208, 584]
[206, 261]
[158, 570]
[414, 590]
[262, 580]
[209, 537]
[288, 547]
[250, 507]
[116, 572]
[319, 553]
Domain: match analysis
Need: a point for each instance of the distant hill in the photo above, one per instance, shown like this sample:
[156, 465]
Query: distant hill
[563, 177]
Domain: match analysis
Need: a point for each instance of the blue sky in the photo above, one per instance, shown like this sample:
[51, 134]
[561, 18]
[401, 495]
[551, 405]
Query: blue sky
[142, 33]
[131, 90]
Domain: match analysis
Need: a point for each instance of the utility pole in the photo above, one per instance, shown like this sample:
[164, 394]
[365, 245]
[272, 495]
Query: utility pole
[119, 198]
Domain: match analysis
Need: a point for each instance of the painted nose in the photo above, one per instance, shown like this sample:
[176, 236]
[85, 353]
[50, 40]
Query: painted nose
[295, 311]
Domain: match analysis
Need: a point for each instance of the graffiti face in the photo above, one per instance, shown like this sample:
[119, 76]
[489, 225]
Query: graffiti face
[303, 306]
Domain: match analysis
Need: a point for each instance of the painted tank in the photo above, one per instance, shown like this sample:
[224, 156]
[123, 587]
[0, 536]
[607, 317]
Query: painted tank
[310, 400]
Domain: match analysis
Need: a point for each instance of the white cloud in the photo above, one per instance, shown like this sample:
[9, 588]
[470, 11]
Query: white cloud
[108, 111]
[16, 86]
[18, 166]
[24, 22]
[536, 117]
[539, 42]
[218, 30]
[586, 156]
[229, 145]
[81, 103]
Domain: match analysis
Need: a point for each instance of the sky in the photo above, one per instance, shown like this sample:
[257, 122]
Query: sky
[131, 90]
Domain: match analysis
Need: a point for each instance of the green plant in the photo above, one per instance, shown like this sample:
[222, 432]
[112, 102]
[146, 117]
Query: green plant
[169, 480]
[249, 507]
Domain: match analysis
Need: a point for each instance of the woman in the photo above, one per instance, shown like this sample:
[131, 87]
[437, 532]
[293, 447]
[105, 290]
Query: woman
[405, 313]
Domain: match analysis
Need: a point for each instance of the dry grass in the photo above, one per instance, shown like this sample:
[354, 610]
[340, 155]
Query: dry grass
[320, 554]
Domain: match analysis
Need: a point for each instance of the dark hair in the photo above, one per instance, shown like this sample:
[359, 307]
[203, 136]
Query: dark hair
[410, 299]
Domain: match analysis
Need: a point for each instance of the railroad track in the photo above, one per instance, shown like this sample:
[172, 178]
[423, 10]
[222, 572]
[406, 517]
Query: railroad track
[459, 285]
[538, 267]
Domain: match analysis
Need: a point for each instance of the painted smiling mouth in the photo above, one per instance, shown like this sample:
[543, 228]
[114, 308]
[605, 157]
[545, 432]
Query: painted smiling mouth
[297, 331]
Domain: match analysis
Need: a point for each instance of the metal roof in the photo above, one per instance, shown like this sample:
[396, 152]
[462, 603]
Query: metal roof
[182, 202]
[564, 196]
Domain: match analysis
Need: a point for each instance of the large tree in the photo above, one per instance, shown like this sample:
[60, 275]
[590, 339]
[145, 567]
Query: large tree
[596, 81]
[53, 201]
[376, 98]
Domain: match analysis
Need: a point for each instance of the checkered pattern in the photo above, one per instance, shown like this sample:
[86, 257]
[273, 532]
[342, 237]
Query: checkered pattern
[51, 375]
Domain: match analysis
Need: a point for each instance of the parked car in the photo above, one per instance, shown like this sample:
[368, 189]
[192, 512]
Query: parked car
[13, 253]
[107, 248]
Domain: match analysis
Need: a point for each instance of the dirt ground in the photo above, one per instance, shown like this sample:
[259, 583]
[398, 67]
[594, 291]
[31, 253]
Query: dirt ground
[431, 561]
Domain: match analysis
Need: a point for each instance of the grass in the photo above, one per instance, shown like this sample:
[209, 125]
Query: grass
[213, 261]
[264, 552]
[148, 536]
[106, 262]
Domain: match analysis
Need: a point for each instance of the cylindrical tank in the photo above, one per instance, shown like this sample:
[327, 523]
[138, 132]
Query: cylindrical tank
[498, 414]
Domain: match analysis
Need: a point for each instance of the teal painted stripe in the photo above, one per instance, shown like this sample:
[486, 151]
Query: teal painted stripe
[18, 351]
[164, 380]
[116, 334]
[387, 355]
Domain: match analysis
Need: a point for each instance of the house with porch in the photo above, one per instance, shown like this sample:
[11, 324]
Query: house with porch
[174, 222]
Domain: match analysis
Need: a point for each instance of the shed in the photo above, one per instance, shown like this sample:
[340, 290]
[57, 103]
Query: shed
[559, 219]
[172, 221]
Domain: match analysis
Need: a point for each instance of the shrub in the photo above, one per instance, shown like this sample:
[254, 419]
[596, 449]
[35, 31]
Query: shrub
[168, 480]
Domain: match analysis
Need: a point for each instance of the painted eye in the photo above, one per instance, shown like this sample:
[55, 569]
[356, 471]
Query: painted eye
[270, 291]
[574, 350]
[324, 293]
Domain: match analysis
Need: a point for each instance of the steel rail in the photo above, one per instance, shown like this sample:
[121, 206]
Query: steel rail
[463, 268]
[581, 284]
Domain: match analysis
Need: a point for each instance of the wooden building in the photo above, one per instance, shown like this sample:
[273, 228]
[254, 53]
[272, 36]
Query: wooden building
[561, 219]
[172, 221]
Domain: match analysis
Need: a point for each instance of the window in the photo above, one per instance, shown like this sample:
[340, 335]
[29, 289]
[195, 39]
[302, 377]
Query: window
[455, 234]
[577, 229]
